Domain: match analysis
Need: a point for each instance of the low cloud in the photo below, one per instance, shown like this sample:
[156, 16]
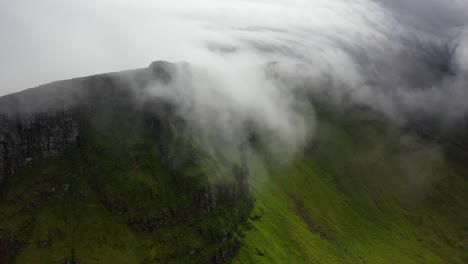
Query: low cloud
[250, 60]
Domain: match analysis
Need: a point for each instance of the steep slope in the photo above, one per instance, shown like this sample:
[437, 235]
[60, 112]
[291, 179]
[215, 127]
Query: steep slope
[363, 192]
[114, 199]
[92, 176]
[92, 171]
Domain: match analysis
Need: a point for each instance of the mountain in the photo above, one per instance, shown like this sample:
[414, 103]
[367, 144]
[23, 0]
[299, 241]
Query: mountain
[94, 171]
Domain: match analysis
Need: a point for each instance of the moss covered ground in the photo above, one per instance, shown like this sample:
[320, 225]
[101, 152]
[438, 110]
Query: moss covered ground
[360, 192]
[115, 199]
[363, 193]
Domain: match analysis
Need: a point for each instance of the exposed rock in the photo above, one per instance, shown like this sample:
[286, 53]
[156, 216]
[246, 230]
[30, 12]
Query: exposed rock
[45, 121]
[9, 245]
[33, 137]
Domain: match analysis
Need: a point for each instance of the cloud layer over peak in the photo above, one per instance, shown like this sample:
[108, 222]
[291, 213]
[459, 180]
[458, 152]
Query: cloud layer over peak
[249, 58]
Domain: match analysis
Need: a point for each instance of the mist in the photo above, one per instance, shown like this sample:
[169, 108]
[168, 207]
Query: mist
[249, 60]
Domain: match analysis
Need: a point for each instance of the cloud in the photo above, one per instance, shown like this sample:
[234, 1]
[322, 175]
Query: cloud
[249, 59]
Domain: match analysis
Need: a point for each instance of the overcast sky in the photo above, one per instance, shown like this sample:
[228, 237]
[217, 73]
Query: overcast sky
[397, 56]
[43, 41]
[249, 58]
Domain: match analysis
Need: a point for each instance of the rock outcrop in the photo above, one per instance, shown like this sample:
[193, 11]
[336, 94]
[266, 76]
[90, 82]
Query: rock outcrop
[45, 121]
[34, 136]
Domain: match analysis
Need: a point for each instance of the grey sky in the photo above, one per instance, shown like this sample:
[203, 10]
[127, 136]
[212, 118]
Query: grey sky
[360, 49]
[47, 40]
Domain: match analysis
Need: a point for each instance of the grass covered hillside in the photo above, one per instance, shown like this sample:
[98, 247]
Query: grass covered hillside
[134, 191]
[363, 192]
[124, 195]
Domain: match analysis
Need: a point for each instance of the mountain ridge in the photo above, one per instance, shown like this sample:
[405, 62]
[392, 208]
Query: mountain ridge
[90, 173]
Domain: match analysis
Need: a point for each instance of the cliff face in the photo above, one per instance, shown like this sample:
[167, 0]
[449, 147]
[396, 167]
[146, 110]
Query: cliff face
[97, 140]
[45, 121]
[33, 137]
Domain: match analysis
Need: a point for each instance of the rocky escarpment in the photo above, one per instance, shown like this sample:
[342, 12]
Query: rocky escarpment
[104, 143]
[34, 136]
[45, 121]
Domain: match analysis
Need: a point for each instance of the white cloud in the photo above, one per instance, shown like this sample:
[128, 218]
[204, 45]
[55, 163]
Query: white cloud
[390, 55]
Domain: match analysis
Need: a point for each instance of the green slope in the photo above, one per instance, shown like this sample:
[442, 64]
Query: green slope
[361, 192]
[115, 200]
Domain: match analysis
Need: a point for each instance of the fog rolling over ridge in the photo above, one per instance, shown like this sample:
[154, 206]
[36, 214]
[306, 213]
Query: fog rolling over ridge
[233, 131]
[249, 60]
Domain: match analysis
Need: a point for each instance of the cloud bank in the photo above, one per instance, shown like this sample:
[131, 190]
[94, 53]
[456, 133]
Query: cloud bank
[251, 60]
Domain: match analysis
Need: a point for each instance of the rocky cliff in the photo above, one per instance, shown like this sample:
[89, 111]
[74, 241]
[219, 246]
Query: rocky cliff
[97, 140]
[45, 121]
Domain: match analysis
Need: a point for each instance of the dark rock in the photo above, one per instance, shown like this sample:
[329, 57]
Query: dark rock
[9, 246]
[46, 121]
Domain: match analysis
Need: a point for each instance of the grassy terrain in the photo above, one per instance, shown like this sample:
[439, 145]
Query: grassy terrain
[115, 199]
[361, 192]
